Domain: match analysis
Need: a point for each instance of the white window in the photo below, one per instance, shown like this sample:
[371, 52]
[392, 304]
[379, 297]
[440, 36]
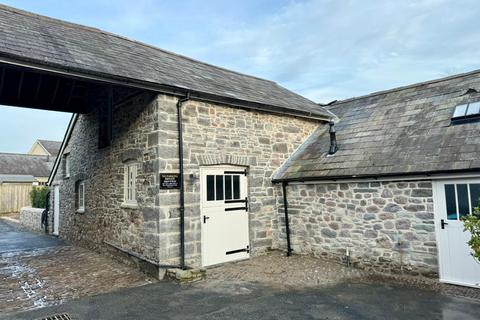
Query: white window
[130, 179]
[81, 196]
[67, 165]
[466, 112]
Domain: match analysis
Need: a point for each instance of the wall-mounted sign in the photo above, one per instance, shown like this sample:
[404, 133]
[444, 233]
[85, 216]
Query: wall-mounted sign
[169, 181]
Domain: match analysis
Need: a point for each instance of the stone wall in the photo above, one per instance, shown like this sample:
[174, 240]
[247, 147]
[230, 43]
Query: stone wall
[31, 218]
[386, 226]
[217, 134]
[106, 219]
[145, 131]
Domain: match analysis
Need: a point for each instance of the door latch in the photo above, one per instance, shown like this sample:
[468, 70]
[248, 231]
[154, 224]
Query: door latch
[443, 223]
[205, 219]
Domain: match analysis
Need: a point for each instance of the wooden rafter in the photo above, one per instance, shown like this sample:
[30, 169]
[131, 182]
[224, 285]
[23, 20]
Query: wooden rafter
[2, 80]
[39, 85]
[20, 84]
[71, 93]
[54, 95]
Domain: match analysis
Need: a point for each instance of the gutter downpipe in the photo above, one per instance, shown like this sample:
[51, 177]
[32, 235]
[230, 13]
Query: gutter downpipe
[182, 184]
[287, 223]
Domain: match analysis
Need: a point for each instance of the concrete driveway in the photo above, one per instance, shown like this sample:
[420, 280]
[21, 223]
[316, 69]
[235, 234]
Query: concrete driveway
[237, 300]
[12, 239]
[38, 270]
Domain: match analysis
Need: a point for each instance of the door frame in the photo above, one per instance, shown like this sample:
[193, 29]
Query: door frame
[56, 210]
[224, 167]
[437, 203]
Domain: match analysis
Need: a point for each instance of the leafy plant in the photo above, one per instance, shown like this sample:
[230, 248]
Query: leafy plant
[38, 195]
[472, 224]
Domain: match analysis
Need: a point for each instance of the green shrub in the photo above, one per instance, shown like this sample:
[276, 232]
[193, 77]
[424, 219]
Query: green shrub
[472, 224]
[38, 195]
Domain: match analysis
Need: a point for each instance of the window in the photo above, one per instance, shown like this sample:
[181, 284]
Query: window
[80, 193]
[130, 179]
[461, 199]
[466, 112]
[66, 159]
[223, 187]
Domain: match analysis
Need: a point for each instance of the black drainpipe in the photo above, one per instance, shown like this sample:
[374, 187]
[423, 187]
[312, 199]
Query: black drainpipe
[45, 212]
[287, 224]
[182, 186]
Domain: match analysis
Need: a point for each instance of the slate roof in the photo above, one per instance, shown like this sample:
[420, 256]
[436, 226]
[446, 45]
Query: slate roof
[16, 178]
[41, 40]
[25, 164]
[53, 147]
[401, 131]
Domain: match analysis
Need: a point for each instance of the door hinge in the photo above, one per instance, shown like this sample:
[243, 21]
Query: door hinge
[244, 172]
[238, 201]
[247, 250]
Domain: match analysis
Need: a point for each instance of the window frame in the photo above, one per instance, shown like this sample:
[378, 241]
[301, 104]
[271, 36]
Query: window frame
[80, 196]
[465, 117]
[130, 186]
[235, 187]
[66, 158]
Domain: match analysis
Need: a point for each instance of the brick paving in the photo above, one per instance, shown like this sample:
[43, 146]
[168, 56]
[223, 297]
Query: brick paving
[44, 277]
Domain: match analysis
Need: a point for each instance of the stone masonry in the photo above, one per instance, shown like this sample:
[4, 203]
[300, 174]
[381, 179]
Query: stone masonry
[216, 134]
[106, 219]
[31, 218]
[386, 226]
[145, 132]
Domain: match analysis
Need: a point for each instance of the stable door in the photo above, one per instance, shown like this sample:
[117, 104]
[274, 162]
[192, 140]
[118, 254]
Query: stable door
[454, 199]
[224, 214]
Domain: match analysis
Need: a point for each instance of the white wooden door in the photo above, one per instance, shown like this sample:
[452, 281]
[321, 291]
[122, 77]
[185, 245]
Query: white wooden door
[453, 199]
[224, 214]
[56, 210]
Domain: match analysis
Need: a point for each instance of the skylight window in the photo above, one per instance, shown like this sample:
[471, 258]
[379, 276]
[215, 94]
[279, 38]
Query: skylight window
[466, 112]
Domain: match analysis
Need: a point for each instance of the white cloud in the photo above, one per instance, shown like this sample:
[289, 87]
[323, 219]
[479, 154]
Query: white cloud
[336, 49]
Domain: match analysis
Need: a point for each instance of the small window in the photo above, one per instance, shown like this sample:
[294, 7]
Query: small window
[460, 111]
[220, 187]
[66, 159]
[461, 199]
[80, 193]
[130, 179]
[466, 112]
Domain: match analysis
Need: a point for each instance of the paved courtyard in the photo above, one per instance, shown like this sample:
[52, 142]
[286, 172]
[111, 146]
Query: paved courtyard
[38, 270]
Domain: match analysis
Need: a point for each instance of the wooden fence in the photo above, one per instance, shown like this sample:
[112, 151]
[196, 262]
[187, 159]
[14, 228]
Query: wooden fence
[14, 196]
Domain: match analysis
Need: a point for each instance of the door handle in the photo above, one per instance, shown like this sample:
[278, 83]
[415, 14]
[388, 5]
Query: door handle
[443, 223]
[205, 219]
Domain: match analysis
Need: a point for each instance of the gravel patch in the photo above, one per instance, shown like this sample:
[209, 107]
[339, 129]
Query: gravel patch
[305, 271]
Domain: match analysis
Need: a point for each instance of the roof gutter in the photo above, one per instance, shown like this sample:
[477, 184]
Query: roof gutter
[412, 175]
[65, 140]
[161, 88]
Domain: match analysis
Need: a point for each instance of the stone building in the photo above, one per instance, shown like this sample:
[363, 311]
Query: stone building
[175, 162]
[390, 198]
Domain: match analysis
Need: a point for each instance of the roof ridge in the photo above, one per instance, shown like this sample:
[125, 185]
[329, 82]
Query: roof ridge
[22, 154]
[409, 86]
[49, 140]
[93, 29]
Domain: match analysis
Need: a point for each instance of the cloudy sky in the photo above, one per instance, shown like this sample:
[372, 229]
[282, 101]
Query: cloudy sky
[322, 49]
